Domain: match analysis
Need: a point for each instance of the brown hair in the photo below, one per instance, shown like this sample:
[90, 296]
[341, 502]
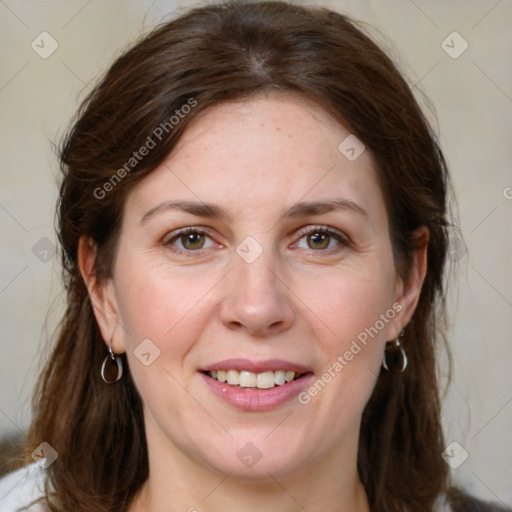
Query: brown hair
[219, 53]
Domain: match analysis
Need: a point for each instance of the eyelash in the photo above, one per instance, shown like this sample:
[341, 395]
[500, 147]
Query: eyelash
[301, 234]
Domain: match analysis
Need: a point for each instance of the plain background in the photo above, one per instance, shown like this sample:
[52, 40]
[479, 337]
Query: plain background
[472, 95]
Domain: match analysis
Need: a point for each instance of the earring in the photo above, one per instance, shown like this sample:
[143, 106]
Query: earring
[111, 359]
[394, 359]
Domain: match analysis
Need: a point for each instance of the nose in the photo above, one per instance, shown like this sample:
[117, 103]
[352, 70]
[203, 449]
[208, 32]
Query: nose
[256, 299]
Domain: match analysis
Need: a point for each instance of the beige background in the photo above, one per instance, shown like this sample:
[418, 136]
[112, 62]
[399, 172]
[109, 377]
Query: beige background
[472, 95]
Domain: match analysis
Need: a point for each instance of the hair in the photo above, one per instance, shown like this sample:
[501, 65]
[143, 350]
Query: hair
[219, 53]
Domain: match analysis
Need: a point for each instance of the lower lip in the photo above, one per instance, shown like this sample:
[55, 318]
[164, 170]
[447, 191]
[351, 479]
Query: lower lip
[257, 399]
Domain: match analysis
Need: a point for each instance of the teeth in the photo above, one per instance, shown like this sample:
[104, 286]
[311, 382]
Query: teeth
[280, 377]
[265, 380]
[244, 379]
[233, 377]
[247, 379]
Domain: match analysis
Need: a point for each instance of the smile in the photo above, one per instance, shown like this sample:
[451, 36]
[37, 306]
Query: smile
[246, 379]
[254, 398]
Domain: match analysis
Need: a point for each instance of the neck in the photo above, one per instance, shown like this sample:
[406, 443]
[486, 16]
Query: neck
[179, 483]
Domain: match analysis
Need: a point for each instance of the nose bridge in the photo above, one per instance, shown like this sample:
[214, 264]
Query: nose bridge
[257, 300]
[257, 278]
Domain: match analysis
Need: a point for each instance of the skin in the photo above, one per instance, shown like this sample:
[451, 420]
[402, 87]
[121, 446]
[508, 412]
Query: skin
[301, 300]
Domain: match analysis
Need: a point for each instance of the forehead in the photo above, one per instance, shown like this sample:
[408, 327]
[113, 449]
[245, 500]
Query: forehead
[277, 129]
[260, 154]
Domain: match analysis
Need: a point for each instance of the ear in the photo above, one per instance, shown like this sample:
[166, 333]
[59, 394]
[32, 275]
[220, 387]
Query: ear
[407, 293]
[101, 294]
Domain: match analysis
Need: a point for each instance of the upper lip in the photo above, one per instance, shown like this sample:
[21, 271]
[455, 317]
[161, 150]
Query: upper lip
[269, 365]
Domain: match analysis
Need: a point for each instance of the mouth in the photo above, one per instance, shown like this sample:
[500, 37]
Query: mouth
[246, 373]
[256, 385]
[254, 380]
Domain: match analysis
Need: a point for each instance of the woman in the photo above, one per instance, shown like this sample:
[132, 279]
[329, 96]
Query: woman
[253, 223]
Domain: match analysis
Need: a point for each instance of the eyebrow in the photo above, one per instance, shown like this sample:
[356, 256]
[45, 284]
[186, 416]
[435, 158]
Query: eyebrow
[302, 209]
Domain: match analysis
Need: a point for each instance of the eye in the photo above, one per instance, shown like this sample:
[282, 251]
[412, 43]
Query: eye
[189, 240]
[321, 238]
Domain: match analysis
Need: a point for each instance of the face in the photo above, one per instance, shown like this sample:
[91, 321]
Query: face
[279, 259]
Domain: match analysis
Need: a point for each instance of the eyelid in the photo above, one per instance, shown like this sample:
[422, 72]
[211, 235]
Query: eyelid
[170, 237]
[306, 230]
[183, 231]
[340, 236]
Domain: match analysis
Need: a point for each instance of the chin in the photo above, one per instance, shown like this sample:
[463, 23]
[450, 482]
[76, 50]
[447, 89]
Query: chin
[258, 458]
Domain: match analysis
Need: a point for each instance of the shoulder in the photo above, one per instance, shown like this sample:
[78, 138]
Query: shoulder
[459, 500]
[20, 488]
[441, 504]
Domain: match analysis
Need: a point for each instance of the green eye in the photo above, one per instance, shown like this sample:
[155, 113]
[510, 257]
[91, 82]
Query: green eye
[321, 239]
[189, 241]
[193, 240]
[318, 240]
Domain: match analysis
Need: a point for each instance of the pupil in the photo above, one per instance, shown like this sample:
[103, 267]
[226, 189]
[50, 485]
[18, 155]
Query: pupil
[319, 238]
[192, 239]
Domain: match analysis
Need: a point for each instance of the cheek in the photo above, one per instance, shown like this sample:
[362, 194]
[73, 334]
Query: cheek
[167, 307]
[171, 312]
[351, 310]
[348, 301]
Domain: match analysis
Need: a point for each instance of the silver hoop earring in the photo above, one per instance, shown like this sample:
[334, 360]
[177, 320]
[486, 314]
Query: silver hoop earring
[110, 360]
[394, 359]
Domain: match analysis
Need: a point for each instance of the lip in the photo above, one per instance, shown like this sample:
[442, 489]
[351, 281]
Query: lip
[257, 399]
[247, 365]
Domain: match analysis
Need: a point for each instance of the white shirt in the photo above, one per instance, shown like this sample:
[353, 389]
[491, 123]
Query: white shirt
[22, 487]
